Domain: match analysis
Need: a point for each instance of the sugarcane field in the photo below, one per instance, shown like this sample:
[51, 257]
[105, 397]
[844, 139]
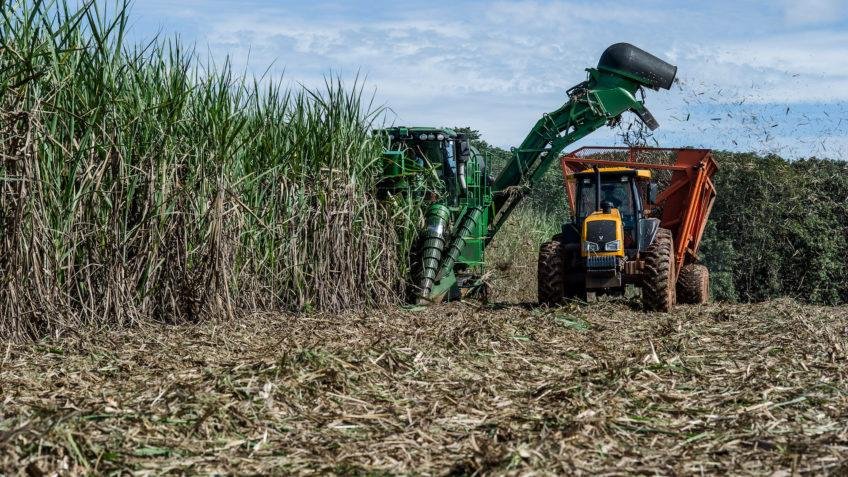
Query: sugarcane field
[552, 237]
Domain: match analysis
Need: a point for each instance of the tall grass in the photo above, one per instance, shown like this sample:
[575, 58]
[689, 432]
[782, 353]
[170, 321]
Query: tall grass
[137, 182]
[513, 255]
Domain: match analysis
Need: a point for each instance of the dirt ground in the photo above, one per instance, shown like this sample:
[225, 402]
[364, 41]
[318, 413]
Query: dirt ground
[458, 389]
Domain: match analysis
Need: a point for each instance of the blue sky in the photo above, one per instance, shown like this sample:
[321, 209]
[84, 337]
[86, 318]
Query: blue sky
[768, 76]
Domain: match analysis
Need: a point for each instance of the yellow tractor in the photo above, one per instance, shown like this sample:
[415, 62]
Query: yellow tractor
[624, 231]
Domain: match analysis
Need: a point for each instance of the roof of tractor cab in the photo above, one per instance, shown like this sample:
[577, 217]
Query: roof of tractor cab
[413, 132]
[616, 171]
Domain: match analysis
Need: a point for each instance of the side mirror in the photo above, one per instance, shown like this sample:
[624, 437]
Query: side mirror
[653, 190]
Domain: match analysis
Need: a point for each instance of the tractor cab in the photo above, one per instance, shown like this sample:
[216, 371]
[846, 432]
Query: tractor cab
[609, 207]
[438, 149]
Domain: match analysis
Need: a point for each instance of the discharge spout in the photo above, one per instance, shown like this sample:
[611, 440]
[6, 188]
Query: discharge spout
[631, 62]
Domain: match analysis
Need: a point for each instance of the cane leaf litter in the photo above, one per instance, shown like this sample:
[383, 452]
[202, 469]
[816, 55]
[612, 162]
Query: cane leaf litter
[457, 389]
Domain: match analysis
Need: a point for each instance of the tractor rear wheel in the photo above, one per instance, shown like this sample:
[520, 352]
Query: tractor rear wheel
[693, 284]
[551, 273]
[658, 288]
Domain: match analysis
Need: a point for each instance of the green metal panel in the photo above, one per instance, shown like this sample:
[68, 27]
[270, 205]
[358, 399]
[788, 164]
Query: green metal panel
[479, 195]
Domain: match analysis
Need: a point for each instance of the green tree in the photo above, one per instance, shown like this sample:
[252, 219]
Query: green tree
[547, 197]
[779, 228]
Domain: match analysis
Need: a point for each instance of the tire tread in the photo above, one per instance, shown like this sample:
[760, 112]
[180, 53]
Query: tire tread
[551, 273]
[658, 288]
[693, 284]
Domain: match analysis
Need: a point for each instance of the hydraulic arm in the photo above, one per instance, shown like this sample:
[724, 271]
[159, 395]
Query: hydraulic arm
[609, 91]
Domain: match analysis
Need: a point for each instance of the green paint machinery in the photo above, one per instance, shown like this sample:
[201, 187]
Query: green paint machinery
[465, 206]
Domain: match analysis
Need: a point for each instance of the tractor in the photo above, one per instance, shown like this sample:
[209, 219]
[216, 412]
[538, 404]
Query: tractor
[625, 231]
[467, 206]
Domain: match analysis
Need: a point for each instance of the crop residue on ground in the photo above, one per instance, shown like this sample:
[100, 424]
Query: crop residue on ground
[454, 389]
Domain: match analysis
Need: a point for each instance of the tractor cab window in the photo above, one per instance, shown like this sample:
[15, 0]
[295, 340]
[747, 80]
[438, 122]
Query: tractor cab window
[448, 159]
[416, 151]
[430, 150]
[448, 155]
[615, 190]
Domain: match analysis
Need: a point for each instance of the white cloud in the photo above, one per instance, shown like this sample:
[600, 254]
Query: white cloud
[814, 12]
[498, 66]
[821, 52]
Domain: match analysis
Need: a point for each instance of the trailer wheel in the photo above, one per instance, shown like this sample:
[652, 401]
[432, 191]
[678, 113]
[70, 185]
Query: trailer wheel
[693, 284]
[551, 273]
[658, 288]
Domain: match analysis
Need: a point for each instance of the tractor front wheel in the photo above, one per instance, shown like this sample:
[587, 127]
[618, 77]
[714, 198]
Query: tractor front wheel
[693, 284]
[658, 289]
[551, 273]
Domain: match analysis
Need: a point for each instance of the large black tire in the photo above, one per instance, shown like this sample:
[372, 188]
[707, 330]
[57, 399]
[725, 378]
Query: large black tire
[551, 273]
[658, 288]
[693, 284]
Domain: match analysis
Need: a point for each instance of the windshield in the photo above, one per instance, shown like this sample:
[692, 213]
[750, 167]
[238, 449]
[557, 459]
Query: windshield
[433, 153]
[615, 190]
[449, 155]
[437, 154]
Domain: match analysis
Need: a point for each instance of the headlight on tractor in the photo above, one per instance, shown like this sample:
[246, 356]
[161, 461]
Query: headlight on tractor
[613, 246]
[590, 247]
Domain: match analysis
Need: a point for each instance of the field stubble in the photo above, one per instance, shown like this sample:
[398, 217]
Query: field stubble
[456, 389]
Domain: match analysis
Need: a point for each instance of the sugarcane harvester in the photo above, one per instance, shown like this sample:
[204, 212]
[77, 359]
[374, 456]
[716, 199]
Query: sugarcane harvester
[468, 207]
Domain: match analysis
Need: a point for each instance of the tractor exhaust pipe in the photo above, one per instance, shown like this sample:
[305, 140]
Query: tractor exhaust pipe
[597, 188]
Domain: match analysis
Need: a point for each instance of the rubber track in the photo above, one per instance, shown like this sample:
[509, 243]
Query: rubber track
[658, 290]
[693, 284]
[551, 273]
